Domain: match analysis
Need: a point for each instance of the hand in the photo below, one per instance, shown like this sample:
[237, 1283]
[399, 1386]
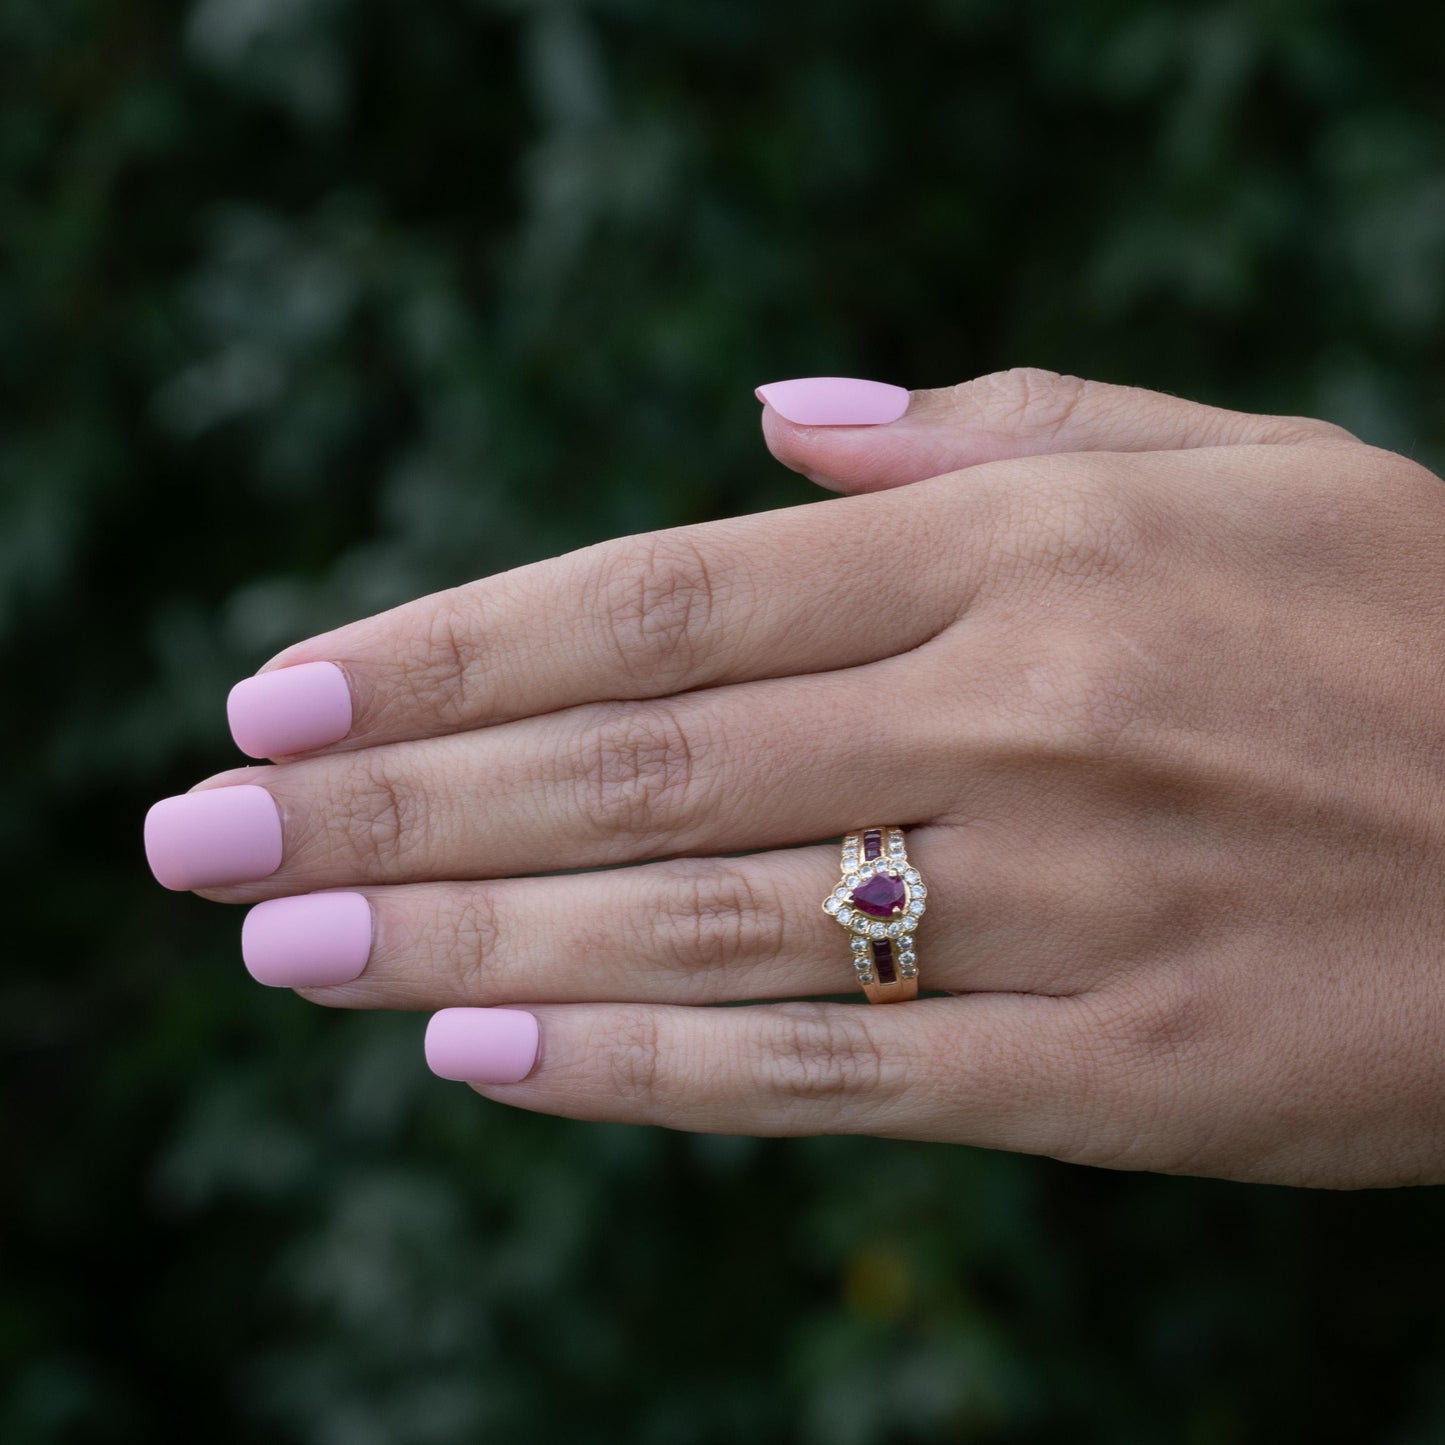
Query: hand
[1159, 691]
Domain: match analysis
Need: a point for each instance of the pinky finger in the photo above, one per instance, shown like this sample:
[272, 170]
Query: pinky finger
[1001, 1070]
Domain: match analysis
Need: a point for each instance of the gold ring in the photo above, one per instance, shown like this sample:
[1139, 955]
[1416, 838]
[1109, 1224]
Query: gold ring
[879, 901]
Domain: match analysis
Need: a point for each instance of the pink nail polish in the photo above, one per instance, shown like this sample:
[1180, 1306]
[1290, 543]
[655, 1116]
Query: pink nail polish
[482, 1045]
[291, 710]
[835, 401]
[222, 835]
[308, 941]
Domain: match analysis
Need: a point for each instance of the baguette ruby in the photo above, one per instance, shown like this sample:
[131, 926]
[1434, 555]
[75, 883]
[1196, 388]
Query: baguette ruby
[883, 961]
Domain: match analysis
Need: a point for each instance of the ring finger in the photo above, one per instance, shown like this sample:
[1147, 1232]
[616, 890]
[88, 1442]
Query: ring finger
[697, 931]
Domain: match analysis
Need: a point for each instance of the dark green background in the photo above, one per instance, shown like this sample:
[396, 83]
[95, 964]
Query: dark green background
[309, 307]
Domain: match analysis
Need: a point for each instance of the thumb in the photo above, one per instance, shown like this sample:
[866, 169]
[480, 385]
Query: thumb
[856, 436]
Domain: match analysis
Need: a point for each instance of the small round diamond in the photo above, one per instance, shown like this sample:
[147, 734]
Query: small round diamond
[831, 905]
[878, 931]
[916, 906]
[907, 923]
[908, 973]
[840, 893]
[845, 915]
[860, 945]
[852, 880]
[894, 930]
[907, 959]
[865, 978]
[912, 875]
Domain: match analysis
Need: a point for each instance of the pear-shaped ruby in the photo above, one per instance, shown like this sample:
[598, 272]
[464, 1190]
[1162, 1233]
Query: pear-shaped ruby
[879, 895]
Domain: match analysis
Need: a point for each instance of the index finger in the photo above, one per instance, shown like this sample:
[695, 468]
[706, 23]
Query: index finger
[813, 588]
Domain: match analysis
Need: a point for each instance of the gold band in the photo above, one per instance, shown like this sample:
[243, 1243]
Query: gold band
[879, 900]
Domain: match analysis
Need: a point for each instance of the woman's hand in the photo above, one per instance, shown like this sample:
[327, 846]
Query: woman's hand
[1159, 691]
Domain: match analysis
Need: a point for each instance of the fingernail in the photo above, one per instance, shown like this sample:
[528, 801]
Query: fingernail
[835, 401]
[223, 835]
[309, 941]
[482, 1045]
[291, 710]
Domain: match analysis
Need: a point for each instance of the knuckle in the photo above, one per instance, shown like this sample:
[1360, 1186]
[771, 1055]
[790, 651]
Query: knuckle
[1153, 1023]
[1078, 692]
[1364, 500]
[1397, 474]
[657, 598]
[467, 933]
[1145, 1052]
[713, 917]
[1027, 398]
[1082, 528]
[443, 671]
[631, 1049]
[639, 772]
[1310, 431]
[821, 1053]
[378, 816]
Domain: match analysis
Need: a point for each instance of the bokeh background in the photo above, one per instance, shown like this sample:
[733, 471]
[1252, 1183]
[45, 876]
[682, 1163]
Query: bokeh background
[310, 306]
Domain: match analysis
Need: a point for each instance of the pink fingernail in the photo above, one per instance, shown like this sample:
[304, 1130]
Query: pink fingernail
[835, 401]
[291, 710]
[309, 941]
[482, 1045]
[223, 835]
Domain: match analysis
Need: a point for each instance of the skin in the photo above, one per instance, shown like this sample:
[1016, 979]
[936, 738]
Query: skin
[1158, 689]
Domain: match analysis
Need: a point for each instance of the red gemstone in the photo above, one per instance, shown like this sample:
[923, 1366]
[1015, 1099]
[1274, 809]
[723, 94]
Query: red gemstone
[883, 961]
[879, 896]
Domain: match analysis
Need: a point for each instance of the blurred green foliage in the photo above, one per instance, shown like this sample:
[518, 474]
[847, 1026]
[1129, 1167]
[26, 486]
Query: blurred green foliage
[309, 306]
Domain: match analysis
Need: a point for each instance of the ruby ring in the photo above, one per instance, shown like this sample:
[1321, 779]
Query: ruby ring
[880, 901]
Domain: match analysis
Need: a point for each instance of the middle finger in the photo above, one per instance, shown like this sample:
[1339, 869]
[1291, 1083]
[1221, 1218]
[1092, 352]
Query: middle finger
[737, 768]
